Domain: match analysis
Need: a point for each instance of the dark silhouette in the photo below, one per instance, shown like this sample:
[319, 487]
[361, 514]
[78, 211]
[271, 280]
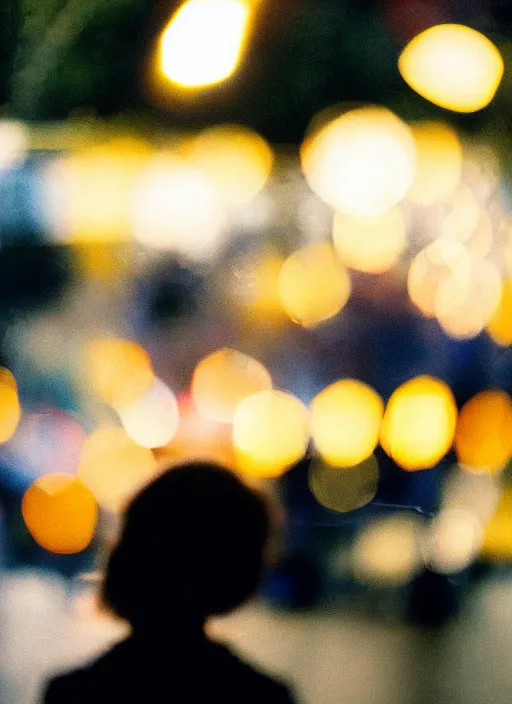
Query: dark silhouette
[192, 546]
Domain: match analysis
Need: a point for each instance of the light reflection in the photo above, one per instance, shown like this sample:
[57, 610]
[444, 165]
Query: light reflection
[344, 489]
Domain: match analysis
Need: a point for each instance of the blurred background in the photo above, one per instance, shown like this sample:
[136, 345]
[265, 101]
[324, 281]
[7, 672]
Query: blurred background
[277, 235]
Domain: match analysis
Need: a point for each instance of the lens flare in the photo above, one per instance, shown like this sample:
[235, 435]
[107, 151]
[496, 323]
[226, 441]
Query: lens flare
[223, 379]
[60, 513]
[313, 285]
[345, 422]
[419, 423]
[371, 245]
[270, 432]
[203, 42]
[453, 66]
[361, 163]
[236, 159]
[483, 440]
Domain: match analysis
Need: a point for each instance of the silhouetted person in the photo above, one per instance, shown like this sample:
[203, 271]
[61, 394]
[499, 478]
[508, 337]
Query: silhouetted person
[192, 546]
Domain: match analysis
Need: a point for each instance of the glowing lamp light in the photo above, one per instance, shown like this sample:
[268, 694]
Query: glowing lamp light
[361, 163]
[387, 551]
[499, 326]
[175, 208]
[60, 513]
[313, 285]
[438, 165]
[119, 370]
[483, 440]
[419, 423]
[345, 422]
[270, 432]
[371, 245]
[236, 159]
[223, 379]
[341, 489]
[152, 419]
[203, 42]
[10, 409]
[114, 467]
[453, 66]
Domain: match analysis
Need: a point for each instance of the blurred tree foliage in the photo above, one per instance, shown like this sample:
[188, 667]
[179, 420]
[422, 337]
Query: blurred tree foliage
[63, 57]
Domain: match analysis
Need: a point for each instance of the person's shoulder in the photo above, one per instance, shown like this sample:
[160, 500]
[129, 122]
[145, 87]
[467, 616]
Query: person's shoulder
[256, 686]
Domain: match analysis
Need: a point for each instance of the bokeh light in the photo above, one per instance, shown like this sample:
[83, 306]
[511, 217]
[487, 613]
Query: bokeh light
[254, 286]
[96, 184]
[118, 370]
[342, 489]
[454, 540]
[48, 441]
[223, 379]
[270, 432]
[499, 325]
[313, 284]
[361, 163]
[345, 422]
[467, 299]
[10, 409]
[387, 550]
[60, 513]
[371, 245]
[175, 208]
[419, 423]
[437, 263]
[235, 158]
[453, 66]
[483, 440]
[203, 42]
[114, 467]
[497, 539]
[438, 165]
[152, 419]
[13, 143]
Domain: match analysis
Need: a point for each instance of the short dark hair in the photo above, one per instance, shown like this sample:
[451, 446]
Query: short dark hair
[192, 543]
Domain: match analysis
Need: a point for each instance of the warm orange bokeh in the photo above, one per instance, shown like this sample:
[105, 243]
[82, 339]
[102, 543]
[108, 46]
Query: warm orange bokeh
[60, 513]
[483, 440]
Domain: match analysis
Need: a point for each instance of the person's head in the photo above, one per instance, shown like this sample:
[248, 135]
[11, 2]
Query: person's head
[192, 545]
